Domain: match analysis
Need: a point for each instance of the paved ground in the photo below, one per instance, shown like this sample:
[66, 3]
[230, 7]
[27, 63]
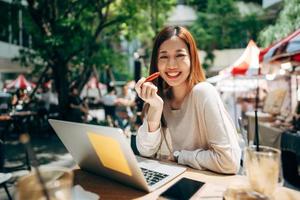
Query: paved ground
[48, 148]
[49, 151]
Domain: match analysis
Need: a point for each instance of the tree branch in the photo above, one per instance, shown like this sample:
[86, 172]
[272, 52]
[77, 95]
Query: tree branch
[39, 81]
[84, 77]
[118, 19]
[37, 17]
[100, 27]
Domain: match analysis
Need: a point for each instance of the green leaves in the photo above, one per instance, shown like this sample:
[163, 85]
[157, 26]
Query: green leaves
[287, 22]
[80, 33]
[220, 25]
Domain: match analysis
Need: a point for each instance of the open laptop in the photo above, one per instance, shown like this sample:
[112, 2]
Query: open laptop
[106, 151]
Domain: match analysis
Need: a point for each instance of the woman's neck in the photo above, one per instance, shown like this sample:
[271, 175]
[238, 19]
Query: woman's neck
[179, 93]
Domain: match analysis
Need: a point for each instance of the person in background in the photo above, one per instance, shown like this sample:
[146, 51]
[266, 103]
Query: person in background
[85, 103]
[20, 98]
[76, 107]
[109, 102]
[125, 102]
[45, 98]
[184, 117]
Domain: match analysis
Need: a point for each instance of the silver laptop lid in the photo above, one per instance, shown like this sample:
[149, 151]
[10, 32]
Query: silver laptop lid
[101, 150]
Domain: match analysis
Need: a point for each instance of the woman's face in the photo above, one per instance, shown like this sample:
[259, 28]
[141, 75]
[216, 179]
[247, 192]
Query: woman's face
[174, 62]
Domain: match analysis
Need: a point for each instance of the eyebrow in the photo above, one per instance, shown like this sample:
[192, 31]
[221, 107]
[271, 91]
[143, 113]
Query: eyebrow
[178, 50]
[163, 52]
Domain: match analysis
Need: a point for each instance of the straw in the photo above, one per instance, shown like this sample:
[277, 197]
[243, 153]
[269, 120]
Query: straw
[255, 112]
[25, 140]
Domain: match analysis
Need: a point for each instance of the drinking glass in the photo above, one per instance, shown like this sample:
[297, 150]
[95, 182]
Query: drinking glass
[262, 168]
[58, 182]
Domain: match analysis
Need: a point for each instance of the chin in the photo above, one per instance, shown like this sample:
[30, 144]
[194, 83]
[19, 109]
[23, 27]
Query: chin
[173, 83]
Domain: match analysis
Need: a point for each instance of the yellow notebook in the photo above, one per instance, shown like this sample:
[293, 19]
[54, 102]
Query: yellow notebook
[109, 153]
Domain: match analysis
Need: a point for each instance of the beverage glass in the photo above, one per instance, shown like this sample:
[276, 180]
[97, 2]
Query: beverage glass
[262, 169]
[58, 182]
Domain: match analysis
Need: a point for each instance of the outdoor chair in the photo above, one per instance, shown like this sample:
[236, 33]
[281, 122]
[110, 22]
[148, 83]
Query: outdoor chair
[243, 131]
[290, 156]
[243, 139]
[4, 177]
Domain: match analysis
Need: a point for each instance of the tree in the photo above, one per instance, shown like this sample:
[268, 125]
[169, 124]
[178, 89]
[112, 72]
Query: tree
[71, 36]
[287, 22]
[220, 25]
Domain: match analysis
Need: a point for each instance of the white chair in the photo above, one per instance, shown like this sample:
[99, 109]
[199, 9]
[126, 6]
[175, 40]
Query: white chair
[243, 139]
[243, 131]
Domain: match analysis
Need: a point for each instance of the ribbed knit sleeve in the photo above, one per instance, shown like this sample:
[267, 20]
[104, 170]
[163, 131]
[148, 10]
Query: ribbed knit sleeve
[223, 153]
[148, 142]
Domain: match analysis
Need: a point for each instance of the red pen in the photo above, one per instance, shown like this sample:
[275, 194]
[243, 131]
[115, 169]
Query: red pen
[152, 77]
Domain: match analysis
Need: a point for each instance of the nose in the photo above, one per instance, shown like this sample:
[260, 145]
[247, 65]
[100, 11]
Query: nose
[172, 63]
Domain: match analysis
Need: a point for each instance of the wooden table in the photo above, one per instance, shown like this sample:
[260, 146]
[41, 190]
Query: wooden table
[215, 185]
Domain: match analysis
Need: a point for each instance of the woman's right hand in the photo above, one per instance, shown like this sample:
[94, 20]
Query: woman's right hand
[147, 91]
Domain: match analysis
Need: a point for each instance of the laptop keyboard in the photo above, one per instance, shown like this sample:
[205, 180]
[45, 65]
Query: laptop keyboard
[153, 177]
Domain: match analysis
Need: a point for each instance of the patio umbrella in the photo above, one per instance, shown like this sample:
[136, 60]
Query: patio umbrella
[247, 64]
[20, 82]
[288, 47]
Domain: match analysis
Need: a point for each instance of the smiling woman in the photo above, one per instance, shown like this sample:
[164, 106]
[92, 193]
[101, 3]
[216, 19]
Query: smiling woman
[185, 119]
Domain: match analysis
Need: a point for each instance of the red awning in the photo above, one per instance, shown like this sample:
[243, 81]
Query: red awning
[288, 46]
[296, 57]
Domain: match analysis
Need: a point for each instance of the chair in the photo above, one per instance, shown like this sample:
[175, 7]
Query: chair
[243, 139]
[290, 154]
[4, 177]
[243, 130]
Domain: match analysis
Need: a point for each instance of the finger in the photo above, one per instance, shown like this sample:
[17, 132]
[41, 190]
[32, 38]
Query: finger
[140, 82]
[153, 92]
[148, 92]
[137, 86]
[144, 91]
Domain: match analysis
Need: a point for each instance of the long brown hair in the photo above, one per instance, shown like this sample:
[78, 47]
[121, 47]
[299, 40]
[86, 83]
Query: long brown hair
[196, 74]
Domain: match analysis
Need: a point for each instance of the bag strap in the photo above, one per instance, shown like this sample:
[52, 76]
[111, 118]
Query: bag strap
[158, 155]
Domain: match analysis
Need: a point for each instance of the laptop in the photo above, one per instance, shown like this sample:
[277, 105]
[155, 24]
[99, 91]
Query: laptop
[106, 151]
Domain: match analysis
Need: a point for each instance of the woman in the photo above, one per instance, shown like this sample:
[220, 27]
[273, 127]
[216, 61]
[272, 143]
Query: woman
[185, 118]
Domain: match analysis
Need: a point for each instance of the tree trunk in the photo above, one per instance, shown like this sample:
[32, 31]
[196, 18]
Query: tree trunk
[60, 71]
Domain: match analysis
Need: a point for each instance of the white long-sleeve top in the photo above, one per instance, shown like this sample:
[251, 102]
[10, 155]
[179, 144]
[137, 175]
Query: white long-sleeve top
[201, 129]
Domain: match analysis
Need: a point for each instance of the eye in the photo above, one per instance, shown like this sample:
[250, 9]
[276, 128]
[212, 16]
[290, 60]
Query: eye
[180, 55]
[163, 57]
